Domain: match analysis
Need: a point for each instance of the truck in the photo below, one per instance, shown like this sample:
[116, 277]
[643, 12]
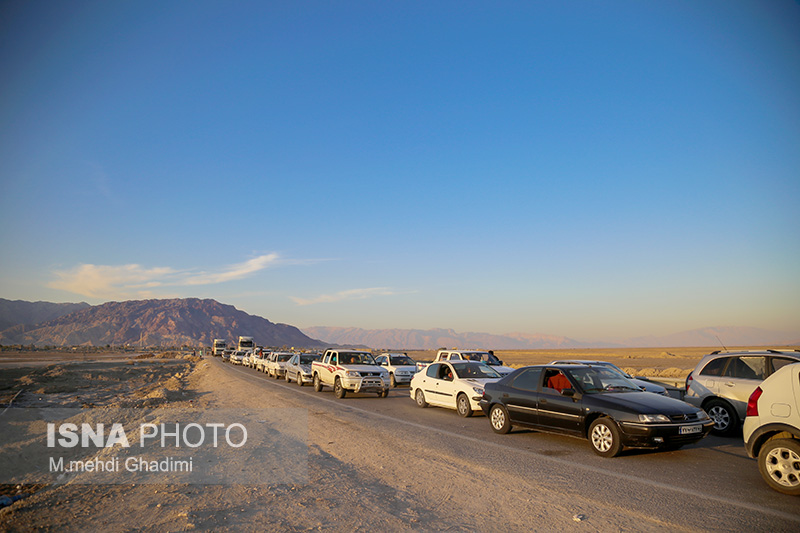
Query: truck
[246, 344]
[219, 346]
[349, 371]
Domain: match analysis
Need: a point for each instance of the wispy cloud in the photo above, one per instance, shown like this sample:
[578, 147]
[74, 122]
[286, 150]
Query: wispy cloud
[131, 281]
[352, 294]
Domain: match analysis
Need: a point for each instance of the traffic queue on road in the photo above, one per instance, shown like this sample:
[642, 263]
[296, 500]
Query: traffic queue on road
[591, 400]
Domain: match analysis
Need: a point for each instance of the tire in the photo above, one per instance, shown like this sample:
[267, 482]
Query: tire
[726, 421]
[419, 397]
[384, 394]
[604, 437]
[317, 383]
[498, 418]
[462, 406]
[338, 390]
[286, 377]
[393, 382]
[299, 379]
[779, 464]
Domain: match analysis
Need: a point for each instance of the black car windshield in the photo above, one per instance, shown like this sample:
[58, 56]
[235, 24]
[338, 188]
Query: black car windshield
[308, 359]
[594, 379]
[473, 371]
[399, 360]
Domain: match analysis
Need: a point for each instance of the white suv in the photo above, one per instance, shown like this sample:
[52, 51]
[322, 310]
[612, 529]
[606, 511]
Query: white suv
[722, 383]
[772, 429]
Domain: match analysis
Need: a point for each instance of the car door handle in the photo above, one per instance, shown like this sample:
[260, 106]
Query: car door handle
[543, 400]
[729, 384]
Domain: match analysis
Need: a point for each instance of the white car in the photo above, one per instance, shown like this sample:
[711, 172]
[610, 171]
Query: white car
[261, 363]
[640, 382]
[298, 368]
[276, 367]
[400, 366]
[237, 357]
[772, 429]
[453, 384]
[474, 355]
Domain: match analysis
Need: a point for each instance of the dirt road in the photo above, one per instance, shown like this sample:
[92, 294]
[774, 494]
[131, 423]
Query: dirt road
[384, 464]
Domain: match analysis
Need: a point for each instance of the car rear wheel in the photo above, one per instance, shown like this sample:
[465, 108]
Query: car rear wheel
[604, 437]
[317, 383]
[462, 405]
[779, 464]
[724, 416]
[498, 417]
[338, 389]
[420, 398]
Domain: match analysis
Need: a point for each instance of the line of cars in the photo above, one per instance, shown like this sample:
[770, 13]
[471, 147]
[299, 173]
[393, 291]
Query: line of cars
[593, 400]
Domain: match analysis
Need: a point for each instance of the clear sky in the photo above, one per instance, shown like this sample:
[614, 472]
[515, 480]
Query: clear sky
[579, 168]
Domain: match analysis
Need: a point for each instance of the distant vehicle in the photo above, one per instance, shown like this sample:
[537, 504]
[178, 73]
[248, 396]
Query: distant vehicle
[772, 429]
[226, 355]
[641, 382]
[219, 346]
[246, 344]
[453, 384]
[276, 364]
[400, 366]
[237, 358]
[594, 403]
[298, 368]
[473, 355]
[722, 383]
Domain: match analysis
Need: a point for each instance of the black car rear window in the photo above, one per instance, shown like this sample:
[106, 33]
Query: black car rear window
[527, 379]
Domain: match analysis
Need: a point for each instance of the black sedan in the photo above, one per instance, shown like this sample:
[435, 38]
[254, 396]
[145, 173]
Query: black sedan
[595, 403]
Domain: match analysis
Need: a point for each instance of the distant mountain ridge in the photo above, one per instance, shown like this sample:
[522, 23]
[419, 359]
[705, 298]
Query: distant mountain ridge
[431, 339]
[16, 312]
[437, 338]
[156, 323]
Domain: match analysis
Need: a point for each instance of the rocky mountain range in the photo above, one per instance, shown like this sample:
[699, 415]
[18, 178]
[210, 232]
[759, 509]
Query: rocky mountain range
[16, 312]
[176, 322]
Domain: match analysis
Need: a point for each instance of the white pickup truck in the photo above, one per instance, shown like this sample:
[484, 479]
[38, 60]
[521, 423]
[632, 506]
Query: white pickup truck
[349, 370]
[471, 355]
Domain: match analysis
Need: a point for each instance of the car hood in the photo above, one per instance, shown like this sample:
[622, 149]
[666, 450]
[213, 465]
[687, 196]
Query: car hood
[478, 381]
[640, 402]
[412, 368]
[648, 386]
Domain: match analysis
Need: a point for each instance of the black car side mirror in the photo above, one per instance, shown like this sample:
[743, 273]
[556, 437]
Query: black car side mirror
[568, 392]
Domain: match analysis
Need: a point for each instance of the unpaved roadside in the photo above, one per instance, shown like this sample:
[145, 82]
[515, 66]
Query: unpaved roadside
[363, 475]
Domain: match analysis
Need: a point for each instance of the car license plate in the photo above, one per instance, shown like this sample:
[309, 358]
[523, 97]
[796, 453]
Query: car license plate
[688, 430]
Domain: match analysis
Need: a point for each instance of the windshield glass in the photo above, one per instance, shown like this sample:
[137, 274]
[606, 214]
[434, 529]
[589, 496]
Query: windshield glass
[355, 358]
[284, 357]
[467, 370]
[595, 379]
[399, 360]
[308, 359]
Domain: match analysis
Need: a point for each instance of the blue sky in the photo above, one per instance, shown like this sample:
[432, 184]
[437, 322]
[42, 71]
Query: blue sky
[578, 168]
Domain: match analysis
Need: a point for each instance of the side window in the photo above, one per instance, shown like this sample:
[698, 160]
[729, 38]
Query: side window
[555, 379]
[433, 371]
[779, 362]
[527, 380]
[746, 368]
[714, 367]
[335, 358]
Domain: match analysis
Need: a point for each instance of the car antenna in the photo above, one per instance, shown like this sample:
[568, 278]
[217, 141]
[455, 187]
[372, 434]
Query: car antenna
[723, 346]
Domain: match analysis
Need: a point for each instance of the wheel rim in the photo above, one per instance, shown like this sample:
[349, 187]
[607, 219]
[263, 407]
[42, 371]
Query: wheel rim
[720, 416]
[420, 397]
[602, 438]
[462, 405]
[783, 466]
[498, 418]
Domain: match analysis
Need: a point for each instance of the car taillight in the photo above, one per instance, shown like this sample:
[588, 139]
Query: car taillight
[688, 382]
[752, 403]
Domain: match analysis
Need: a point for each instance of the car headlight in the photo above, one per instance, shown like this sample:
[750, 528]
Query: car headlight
[702, 415]
[478, 390]
[653, 418]
[352, 374]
